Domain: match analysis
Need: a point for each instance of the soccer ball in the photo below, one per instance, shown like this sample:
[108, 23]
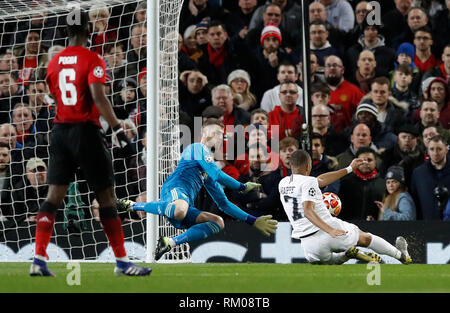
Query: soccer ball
[332, 202]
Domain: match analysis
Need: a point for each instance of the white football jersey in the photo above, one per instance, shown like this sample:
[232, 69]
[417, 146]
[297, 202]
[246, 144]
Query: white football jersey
[296, 189]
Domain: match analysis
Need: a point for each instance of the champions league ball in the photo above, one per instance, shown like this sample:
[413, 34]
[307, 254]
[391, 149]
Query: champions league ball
[332, 202]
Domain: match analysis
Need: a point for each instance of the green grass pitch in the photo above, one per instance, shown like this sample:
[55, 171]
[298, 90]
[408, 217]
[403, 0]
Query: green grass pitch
[232, 278]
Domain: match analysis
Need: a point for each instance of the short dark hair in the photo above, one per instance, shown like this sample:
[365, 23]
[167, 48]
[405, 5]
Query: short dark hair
[425, 29]
[286, 62]
[320, 87]
[363, 150]
[216, 23]
[78, 28]
[381, 81]
[299, 159]
[317, 136]
[438, 138]
[213, 121]
[405, 69]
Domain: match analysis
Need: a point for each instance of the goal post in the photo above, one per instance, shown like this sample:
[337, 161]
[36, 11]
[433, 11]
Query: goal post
[78, 234]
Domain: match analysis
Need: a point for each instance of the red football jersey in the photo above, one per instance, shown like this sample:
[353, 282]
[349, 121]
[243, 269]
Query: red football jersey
[69, 75]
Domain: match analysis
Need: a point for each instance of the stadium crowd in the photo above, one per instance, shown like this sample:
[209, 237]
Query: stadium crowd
[378, 91]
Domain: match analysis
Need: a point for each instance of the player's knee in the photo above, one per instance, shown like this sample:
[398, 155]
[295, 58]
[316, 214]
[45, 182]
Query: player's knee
[181, 208]
[364, 239]
[219, 221]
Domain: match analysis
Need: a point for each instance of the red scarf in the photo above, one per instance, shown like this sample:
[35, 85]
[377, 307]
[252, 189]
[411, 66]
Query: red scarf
[368, 176]
[216, 58]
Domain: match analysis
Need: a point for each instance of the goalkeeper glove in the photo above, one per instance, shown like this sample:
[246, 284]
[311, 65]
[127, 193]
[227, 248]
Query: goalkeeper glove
[124, 143]
[266, 224]
[249, 186]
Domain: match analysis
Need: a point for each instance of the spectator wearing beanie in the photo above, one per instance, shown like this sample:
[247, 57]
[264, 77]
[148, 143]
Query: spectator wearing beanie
[239, 81]
[265, 59]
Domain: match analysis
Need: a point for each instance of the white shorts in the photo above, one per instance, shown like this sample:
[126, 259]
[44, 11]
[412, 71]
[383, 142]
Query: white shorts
[320, 246]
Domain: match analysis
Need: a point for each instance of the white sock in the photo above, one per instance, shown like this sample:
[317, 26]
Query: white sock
[338, 258]
[124, 259]
[381, 246]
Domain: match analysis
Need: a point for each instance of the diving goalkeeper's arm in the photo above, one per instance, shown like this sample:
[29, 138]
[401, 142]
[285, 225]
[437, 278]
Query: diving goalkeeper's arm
[264, 224]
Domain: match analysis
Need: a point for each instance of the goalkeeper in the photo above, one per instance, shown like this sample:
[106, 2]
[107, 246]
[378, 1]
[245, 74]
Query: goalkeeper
[196, 169]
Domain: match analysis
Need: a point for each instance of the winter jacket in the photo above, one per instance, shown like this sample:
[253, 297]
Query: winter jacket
[405, 211]
[340, 14]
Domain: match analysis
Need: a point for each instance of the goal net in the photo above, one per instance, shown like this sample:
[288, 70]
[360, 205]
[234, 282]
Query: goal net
[31, 33]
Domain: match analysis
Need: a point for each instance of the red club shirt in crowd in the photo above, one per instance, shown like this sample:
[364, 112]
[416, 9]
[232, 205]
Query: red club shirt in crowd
[428, 64]
[69, 75]
[284, 120]
[344, 101]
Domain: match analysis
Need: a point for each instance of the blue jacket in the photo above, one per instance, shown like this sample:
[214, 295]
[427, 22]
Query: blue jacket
[405, 211]
[425, 179]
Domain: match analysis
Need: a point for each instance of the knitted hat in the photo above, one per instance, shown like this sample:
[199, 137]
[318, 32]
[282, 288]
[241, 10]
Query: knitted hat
[270, 30]
[426, 83]
[238, 74]
[34, 163]
[407, 49]
[396, 172]
[367, 106]
[142, 74]
[191, 29]
[202, 25]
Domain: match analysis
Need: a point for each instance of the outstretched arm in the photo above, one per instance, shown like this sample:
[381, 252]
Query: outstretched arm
[330, 177]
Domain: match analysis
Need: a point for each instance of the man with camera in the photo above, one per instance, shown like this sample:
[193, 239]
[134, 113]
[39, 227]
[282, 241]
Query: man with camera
[430, 182]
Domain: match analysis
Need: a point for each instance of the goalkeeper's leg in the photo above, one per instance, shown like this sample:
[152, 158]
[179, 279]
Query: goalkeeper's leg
[200, 225]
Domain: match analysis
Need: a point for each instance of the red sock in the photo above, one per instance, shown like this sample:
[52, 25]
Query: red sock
[44, 230]
[113, 230]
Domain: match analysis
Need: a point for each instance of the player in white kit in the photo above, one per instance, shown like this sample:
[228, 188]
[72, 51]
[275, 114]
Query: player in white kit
[324, 238]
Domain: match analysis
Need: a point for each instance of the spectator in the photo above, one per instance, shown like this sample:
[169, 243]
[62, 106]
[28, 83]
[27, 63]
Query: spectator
[320, 45]
[366, 72]
[287, 72]
[190, 46]
[360, 137]
[285, 115]
[260, 116]
[9, 63]
[344, 97]
[407, 152]
[219, 58]
[401, 89]
[194, 11]
[29, 194]
[339, 14]
[266, 60]
[320, 94]
[316, 76]
[367, 113]
[288, 19]
[23, 121]
[440, 24]
[390, 112]
[194, 93]
[239, 20]
[137, 53]
[125, 101]
[333, 143]
[43, 112]
[8, 137]
[115, 59]
[201, 30]
[406, 55]
[322, 163]
[395, 22]
[397, 204]
[372, 40]
[288, 146]
[430, 182]
[417, 18]
[438, 91]
[6, 185]
[360, 189]
[31, 56]
[424, 58]
[428, 133]
[239, 81]
[442, 70]
[222, 97]
[317, 12]
[361, 11]
[429, 116]
[265, 200]
[103, 32]
[11, 94]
